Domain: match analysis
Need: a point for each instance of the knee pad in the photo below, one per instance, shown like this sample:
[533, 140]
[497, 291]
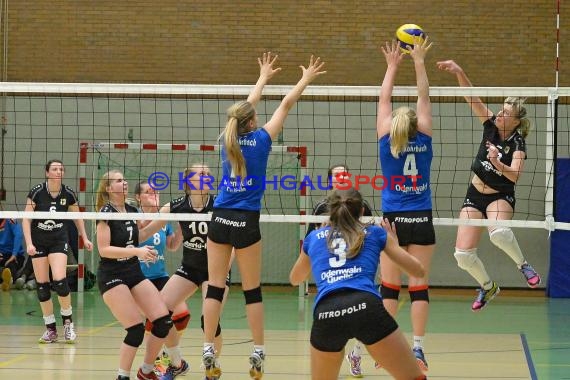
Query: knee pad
[389, 291]
[218, 329]
[44, 291]
[466, 258]
[135, 335]
[161, 326]
[253, 295]
[181, 320]
[502, 237]
[215, 293]
[419, 293]
[61, 287]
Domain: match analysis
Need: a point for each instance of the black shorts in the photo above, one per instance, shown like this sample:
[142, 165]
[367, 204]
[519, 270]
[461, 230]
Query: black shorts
[159, 282]
[413, 227]
[481, 201]
[197, 276]
[239, 228]
[46, 247]
[111, 274]
[348, 314]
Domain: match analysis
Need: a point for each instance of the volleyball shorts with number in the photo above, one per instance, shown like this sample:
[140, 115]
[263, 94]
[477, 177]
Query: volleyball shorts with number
[348, 314]
[238, 228]
[413, 227]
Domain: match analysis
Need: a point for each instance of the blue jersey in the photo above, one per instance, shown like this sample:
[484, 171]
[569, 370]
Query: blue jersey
[11, 236]
[407, 178]
[158, 240]
[247, 194]
[333, 271]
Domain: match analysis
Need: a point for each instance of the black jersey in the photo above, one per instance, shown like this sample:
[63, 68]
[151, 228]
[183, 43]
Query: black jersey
[43, 201]
[322, 208]
[195, 233]
[483, 168]
[124, 233]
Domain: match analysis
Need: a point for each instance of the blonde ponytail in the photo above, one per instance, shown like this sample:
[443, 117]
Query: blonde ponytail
[101, 195]
[518, 107]
[239, 116]
[404, 125]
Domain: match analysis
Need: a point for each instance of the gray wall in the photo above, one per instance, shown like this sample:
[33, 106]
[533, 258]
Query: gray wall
[42, 128]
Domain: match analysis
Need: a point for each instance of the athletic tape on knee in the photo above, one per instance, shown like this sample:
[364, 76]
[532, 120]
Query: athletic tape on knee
[161, 326]
[135, 335]
[466, 258]
[419, 293]
[61, 287]
[147, 325]
[43, 291]
[389, 291]
[504, 239]
[216, 293]
[181, 320]
[253, 295]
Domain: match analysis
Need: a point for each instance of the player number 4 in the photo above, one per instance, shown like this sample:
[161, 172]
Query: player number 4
[410, 168]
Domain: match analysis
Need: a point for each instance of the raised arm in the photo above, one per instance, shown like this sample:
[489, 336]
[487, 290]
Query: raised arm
[266, 71]
[477, 106]
[313, 70]
[393, 57]
[154, 226]
[423, 110]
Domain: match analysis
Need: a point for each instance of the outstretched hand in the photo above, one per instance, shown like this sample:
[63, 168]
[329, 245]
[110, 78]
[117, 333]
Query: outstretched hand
[420, 48]
[266, 63]
[314, 69]
[449, 66]
[390, 228]
[392, 53]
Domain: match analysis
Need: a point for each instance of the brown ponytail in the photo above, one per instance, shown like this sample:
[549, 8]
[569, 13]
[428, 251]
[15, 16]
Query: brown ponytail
[345, 210]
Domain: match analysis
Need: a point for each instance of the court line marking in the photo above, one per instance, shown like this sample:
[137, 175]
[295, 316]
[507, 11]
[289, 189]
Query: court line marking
[95, 330]
[528, 357]
[12, 361]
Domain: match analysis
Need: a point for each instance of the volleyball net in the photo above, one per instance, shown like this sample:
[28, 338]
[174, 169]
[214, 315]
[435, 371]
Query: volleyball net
[147, 129]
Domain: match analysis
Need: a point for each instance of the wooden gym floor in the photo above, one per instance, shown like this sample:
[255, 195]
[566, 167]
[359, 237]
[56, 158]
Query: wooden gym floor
[520, 335]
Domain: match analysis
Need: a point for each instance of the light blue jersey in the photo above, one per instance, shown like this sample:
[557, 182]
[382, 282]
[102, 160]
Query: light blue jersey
[158, 240]
[247, 194]
[333, 271]
[407, 177]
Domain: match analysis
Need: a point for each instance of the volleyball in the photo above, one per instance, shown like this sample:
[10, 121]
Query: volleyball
[405, 35]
